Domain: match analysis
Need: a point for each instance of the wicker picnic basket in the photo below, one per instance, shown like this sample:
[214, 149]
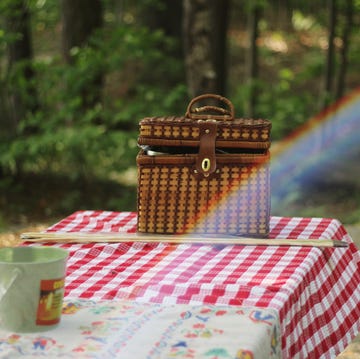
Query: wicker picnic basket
[206, 172]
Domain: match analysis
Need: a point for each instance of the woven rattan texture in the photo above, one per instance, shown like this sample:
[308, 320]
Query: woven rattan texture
[172, 199]
[179, 128]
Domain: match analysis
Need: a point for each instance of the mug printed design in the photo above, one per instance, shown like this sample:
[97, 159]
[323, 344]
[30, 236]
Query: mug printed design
[50, 302]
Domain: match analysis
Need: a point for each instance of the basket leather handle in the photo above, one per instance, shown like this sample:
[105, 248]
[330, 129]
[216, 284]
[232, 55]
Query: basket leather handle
[210, 111]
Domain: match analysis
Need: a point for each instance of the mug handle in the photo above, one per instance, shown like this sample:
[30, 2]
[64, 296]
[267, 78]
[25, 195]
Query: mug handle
[6, 285]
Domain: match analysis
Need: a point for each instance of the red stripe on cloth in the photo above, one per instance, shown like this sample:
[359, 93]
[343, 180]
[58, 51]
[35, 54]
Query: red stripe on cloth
[114, 273]
[220, 261]
[299, 227]
[314, 290]
[276, 229]
[324, 228]
[269, 266]
[118, 227]
[216, 293]
[96, 221]
[191, 292]
[57, 227]
[318, 322]
[335, 316]
[242, 294]
[86, 265]
[292, 314]
[182, 268]
[151, 263]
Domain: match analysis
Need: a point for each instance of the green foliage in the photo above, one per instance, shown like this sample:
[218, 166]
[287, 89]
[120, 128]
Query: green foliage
[286, 109]
[277, 102]
[72, 130]
[303, 22]
[75, 151]
[80, 140]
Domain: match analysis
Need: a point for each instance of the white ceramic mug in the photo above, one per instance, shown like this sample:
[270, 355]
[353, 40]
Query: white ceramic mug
[31, 287]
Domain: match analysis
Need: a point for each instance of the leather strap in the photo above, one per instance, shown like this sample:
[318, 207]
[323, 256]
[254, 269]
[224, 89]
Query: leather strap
[206, 159]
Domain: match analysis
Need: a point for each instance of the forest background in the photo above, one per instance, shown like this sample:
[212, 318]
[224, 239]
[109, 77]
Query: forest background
[76, 76]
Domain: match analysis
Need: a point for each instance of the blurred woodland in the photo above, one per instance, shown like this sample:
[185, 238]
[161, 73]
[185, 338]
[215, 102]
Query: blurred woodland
[76, 76]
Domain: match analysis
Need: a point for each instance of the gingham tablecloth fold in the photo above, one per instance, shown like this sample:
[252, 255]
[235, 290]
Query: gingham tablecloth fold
[315, 291]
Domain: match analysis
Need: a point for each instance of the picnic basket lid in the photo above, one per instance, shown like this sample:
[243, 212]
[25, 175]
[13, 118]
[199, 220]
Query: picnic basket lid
[231, 132]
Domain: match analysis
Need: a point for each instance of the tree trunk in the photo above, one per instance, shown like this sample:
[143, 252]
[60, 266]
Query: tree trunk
[205, 27]
[330, 58]
[80, 18]
[253, 61]
[167, 17]
[22, 99]
[346, 33]
[220, 49]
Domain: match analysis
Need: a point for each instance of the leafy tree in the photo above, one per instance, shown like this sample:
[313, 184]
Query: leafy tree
[77, 115]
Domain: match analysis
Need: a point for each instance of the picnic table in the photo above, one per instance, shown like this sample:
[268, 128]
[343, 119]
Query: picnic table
[152, 300]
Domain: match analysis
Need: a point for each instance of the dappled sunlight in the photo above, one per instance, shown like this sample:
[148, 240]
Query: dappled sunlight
[274, 42]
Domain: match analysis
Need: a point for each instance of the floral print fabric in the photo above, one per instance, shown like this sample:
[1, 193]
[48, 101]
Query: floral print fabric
[109, 329]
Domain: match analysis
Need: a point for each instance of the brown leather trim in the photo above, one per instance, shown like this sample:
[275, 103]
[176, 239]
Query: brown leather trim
[206, 159]
[190, 159]
[195, 143]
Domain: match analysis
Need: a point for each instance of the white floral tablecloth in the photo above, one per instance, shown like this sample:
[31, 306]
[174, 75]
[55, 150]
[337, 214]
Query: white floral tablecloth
[124, 329]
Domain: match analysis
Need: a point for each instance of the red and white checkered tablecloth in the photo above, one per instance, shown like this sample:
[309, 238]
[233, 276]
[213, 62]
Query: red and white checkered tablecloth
[315, 291]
